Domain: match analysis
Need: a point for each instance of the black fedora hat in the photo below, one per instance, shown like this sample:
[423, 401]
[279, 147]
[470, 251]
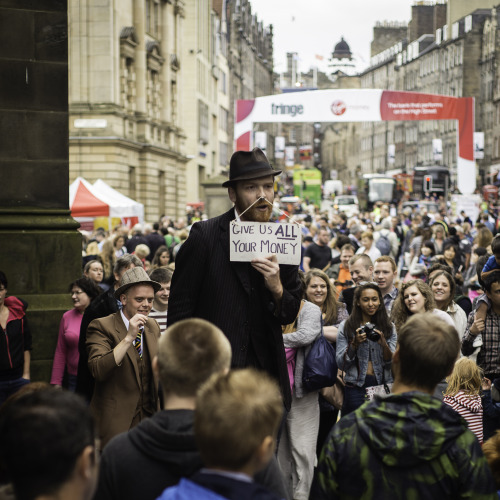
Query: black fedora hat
[246, 165]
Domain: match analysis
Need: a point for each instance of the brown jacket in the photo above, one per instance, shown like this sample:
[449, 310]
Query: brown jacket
[118, 387]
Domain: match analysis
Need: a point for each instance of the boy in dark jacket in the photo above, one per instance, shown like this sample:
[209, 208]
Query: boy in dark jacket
[236, 424]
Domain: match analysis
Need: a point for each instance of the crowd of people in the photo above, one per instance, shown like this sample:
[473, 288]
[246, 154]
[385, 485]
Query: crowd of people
[189, 367]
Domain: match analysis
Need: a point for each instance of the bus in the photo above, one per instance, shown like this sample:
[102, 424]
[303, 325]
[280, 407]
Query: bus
[375, 187]
[307, 184]
[428, 179]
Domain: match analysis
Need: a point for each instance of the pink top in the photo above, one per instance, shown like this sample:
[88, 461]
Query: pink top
[291, 353]
[471, 408]
[67, 355]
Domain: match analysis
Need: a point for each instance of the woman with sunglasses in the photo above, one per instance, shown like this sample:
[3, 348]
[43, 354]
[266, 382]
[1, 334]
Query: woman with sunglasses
[365, 344]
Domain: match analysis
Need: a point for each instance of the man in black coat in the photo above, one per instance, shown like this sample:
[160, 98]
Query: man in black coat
[248, 301]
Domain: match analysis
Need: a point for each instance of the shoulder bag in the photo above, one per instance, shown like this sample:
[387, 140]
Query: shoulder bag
[320, 366]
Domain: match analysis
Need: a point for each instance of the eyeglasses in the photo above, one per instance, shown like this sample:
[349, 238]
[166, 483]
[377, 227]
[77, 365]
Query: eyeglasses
[74, 292]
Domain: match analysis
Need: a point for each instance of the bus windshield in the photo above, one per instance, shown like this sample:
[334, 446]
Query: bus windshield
[381, 190]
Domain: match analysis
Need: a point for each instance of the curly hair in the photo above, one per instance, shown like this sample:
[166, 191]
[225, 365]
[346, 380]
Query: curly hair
[380, 319]
[451, 283]
[400, 312]
[330, 306]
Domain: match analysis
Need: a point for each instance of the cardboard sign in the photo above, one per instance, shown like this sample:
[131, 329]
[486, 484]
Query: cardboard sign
[248, 240]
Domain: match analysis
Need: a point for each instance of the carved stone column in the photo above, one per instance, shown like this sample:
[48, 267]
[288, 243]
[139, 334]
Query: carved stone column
[40, 247]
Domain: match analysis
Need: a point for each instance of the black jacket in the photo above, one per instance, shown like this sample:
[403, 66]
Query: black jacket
[103, 305]
[233, 296]
[14, 340]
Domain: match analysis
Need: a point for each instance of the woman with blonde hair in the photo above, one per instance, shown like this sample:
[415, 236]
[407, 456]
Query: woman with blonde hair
[415, 297]
[142, 251]
[108, 257]
[297, 447]
[319, 290]
[463, 394]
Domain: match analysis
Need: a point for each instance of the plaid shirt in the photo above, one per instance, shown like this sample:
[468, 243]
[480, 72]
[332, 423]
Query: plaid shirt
[489, 356]
[389, 299]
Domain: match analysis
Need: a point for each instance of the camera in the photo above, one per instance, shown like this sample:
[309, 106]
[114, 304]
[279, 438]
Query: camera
[371, 334]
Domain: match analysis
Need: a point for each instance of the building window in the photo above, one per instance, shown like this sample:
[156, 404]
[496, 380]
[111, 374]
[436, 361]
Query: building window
[161, 194]
[127, 84]
[203, 122]
[223, 83]
[153, 95]
[223, 118]
[132, 182]
[223, 154]
[152, 8]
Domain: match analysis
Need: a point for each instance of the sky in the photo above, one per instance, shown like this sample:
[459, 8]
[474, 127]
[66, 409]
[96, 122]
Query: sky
[314, 27]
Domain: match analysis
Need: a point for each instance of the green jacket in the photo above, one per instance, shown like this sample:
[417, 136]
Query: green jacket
[406, 446]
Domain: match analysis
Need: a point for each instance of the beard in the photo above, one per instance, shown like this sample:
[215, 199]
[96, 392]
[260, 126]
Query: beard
[256, 213]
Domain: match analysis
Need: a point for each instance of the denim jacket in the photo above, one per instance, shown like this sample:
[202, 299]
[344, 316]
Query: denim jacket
[355, 361]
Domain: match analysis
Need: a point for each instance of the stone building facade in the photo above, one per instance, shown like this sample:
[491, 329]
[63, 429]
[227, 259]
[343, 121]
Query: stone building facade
[152, 89]
[125, 88]
[456, 60]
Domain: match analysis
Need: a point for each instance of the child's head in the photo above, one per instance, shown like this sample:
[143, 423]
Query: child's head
[236, 420]
[428, 248]
[495, 248]
[466, 377]
[491, 450]
[190, 351]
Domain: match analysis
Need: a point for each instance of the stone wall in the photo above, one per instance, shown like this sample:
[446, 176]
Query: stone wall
[40, 248]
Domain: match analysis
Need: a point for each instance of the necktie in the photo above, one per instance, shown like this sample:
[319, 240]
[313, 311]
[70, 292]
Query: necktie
[138, 341]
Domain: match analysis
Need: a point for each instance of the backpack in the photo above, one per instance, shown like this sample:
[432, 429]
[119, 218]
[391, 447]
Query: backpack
[383, 244]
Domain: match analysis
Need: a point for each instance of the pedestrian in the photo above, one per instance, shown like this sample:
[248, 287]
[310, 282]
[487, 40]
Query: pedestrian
[15, 342]
[48, 447]
[415, 297]
[408, 444]
[248, 301]
[65, 365]
[297, 446]
[365, 343]
[443, 289]
[121, 350]
[103, 305]
[463, 394]
[233, 454]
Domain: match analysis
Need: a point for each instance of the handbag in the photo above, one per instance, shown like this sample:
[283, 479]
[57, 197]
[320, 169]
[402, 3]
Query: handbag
[335, 393]
[378, 390]
[320, 366]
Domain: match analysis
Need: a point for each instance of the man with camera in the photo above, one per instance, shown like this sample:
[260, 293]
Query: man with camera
[407, 444]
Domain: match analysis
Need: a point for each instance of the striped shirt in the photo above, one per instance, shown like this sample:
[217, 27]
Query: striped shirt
[160, 317]
[469, 406]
